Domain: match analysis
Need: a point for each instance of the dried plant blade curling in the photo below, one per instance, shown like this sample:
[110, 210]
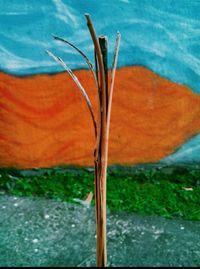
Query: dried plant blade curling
[90, 65]
[75, 79]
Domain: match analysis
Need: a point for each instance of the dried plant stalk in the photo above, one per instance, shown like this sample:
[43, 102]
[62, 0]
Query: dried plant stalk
[101, 129]
[101, 159]
[114, 66]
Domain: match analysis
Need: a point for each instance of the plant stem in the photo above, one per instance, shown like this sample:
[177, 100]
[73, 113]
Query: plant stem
[103, 152]
[100, 158]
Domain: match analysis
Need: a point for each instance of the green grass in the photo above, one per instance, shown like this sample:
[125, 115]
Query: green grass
[152, 192]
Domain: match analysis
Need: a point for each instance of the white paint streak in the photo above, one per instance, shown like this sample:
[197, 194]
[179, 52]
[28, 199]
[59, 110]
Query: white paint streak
[64, 13]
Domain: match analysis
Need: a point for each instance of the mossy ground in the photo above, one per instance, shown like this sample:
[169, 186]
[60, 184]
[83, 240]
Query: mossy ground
[149, 192]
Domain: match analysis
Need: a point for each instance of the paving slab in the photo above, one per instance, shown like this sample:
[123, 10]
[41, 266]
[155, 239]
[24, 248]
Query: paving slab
[40, 232]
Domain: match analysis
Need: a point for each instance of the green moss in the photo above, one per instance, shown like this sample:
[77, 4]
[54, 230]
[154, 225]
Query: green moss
[150, 192]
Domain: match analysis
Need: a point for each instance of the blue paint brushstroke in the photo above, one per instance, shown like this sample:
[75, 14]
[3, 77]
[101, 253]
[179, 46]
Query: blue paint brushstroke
[161, 35]
[187, 153]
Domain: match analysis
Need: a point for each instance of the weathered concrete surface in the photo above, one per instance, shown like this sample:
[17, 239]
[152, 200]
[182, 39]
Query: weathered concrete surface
[39, 232]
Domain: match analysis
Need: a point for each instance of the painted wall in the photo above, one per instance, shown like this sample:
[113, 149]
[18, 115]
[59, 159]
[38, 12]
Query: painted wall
[156, 105]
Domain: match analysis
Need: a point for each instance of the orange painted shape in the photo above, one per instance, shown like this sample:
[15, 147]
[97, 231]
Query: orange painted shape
[44, 120]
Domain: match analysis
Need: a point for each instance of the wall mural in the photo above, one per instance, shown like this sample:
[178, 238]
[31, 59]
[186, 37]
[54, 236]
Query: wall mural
[156, 104]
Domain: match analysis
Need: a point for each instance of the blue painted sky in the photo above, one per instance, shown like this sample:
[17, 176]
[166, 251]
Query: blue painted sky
[187, 153]
[161, 35]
